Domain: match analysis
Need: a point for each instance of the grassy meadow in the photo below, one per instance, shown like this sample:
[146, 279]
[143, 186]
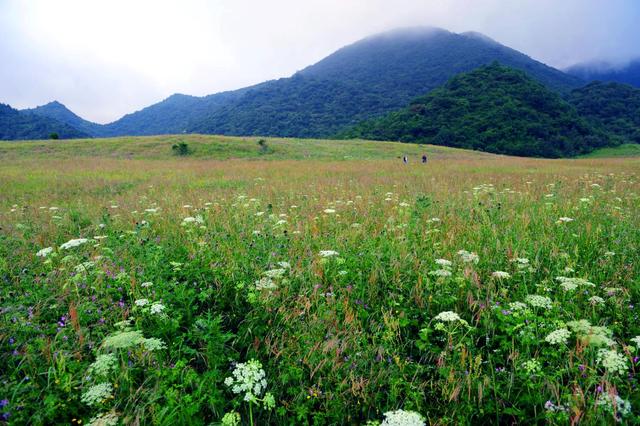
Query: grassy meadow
[315, 283]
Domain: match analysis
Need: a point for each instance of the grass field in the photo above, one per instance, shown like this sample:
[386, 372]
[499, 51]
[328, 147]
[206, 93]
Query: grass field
[143, 288]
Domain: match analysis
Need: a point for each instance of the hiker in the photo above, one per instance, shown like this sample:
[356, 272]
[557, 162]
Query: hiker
[424, 159]
[405, 160]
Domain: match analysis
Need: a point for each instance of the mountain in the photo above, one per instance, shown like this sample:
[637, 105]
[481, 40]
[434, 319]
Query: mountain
[493, 108]
[16, 125]
[611, 106]
[603, 71]
[367, 79]
[61, 113]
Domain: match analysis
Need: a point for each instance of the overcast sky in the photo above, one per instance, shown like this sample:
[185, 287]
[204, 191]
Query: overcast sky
[104, 59]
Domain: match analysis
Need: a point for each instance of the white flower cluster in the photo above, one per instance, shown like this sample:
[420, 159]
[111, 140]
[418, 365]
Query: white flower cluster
[126, 339]
[328, 253]
[468, 257]
[248, 378]
[199, 220]
[590, 334]
[612, 361]
[501, 275]
[269, 281]
[104, 419]
[570, 284]
[73, 243]
[402, 418]
[538, 301]
[44, 252]
[103, 365]
[449, 316]
[445, 268]
[558, 337]
[636, 340]
[96, 394]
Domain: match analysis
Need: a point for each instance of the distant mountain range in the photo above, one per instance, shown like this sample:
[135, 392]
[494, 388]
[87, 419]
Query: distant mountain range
[366, 79]
[492, 108]
[603, 71]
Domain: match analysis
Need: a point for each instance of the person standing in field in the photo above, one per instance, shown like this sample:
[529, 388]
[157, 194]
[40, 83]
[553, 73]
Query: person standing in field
[424, 158]
[405, 160]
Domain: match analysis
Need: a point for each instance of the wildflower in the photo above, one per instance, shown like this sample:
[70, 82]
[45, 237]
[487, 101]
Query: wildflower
[468, 257]
[443, 262]
[402, 418]
[146, 284]
[265, 283]
[532, 367]
[501, 275]
[45, 252]
[565, 220]
[448, 316]
[616, 405]
[142, 302]
[570, 284]
[123, 339]
[612, 361]
[249, 379]
[329, 211]
[517, 306]
[551, 407]
[96, 394]
[284, 264]
[558, 337]
[153, 344]
[636, 340]
[596, 300]
[73, 243]
[591, 335]
[441, 273]
[103, 365]
[275, 273]
[156, 308]
[328, 253]
[231, 418]
[538, 301]
[104, 419]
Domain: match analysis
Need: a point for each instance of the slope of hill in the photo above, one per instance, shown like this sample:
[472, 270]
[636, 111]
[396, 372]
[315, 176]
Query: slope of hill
[16, 125]
[493, 108]
[628, 74]
[614, 107]
[61, 113]
[367, 79]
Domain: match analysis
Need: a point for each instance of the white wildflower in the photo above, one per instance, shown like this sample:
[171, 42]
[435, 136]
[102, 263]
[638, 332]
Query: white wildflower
[558, 337]
[328, 253]
[96, 394]
[612, 361]
[501, 275]
[73, 243]
[468, 257]
[538, 301]
[142, 302]
[402, 418]
[45, 252]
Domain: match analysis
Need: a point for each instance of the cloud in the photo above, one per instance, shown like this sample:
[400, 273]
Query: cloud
[107, 58]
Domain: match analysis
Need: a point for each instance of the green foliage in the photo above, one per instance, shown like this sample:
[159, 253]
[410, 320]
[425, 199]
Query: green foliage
[495, 109]
[54, 136]
[613, 107]
[181, 149]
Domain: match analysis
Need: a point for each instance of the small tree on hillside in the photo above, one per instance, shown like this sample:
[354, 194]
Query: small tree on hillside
[181, 149]
[54, 136]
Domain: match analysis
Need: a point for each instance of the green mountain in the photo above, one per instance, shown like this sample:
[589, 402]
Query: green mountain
[20, 125]
[61, 113]
[367, 79]
[611, 106]
[495, 109]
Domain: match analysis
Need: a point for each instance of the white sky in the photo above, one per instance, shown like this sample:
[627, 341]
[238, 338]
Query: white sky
[103, 59]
